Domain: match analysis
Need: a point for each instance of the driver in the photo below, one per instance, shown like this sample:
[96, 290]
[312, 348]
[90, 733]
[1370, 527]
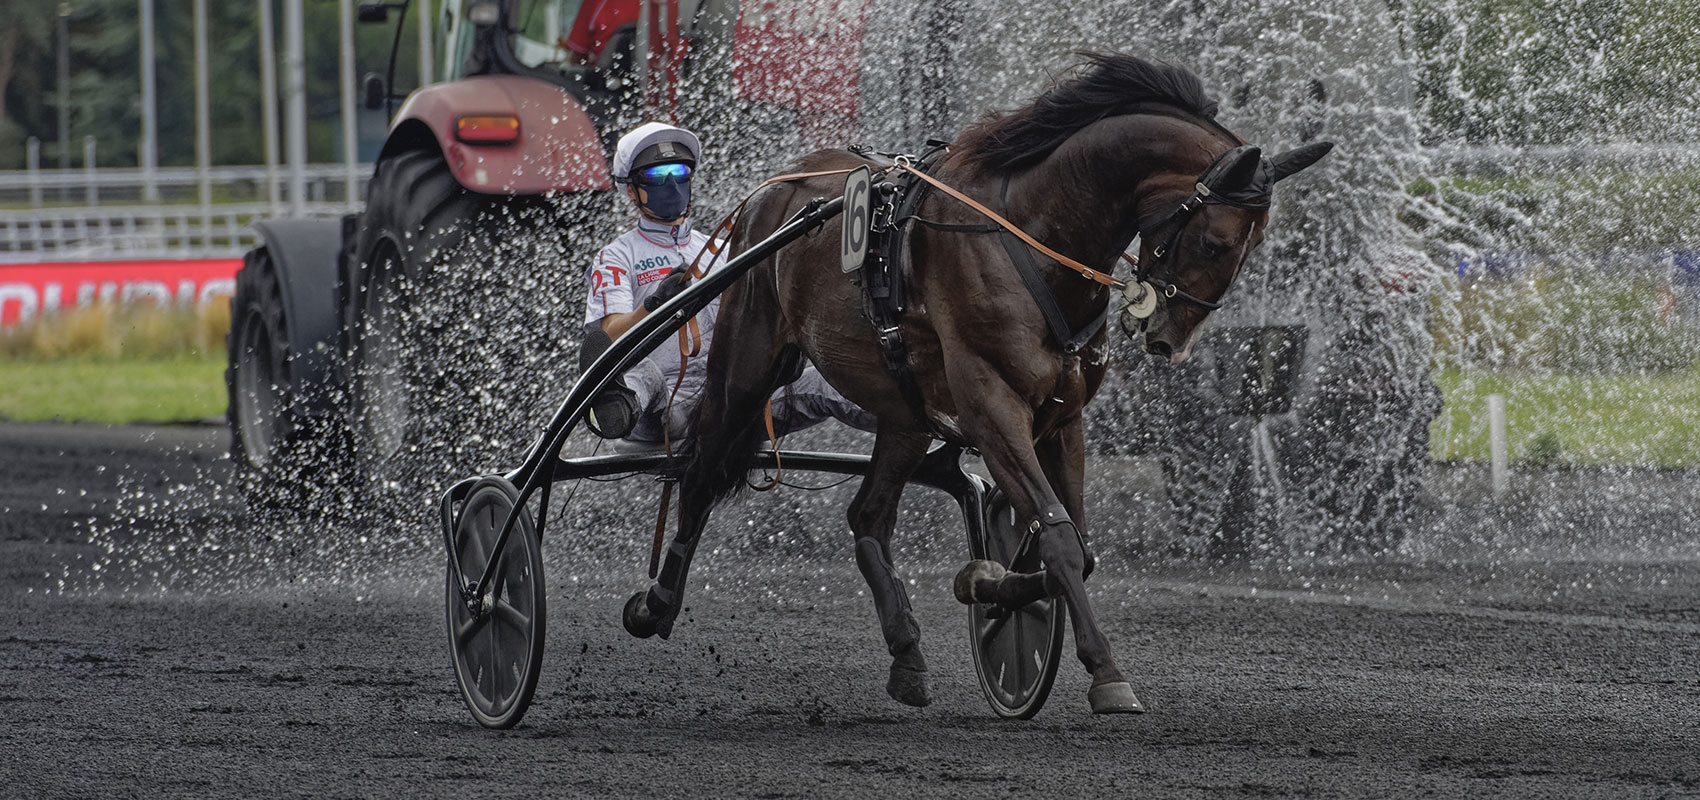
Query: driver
[649, 265]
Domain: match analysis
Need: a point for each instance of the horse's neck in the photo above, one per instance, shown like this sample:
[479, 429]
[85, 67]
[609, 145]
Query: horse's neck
[1089, 196]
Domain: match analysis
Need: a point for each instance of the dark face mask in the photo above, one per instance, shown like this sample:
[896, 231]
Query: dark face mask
[667, 201]
[666, 189]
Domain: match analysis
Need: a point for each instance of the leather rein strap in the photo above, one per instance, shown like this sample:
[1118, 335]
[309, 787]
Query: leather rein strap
[1070, 341]
[1085, 271]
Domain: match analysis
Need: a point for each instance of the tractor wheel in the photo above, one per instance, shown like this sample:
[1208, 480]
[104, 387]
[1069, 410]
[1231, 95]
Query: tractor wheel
[453, 307]
[417, 217]
[282, 455]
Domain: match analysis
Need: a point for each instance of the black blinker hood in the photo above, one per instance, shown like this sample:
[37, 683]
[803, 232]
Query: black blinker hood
[1240, 177]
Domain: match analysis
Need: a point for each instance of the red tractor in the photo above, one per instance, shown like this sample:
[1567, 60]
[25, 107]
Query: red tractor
[491, 189]
[323, 369]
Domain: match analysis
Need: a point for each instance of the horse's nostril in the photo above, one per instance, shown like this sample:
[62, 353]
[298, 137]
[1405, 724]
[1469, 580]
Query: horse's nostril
[1158, 348]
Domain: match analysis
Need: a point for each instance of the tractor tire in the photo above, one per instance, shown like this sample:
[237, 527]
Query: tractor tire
[285, 459]
[452, 306]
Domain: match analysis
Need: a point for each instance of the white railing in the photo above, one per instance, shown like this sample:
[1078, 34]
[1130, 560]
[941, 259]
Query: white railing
[71, 214]
[1566, 157]
[51, 188]
[184, 231]
[114, 212]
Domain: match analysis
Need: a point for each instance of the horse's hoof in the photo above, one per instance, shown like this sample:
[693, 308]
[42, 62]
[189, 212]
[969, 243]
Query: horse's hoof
[971, 574]
[1114, 698]
[909, 687]
[636, 617]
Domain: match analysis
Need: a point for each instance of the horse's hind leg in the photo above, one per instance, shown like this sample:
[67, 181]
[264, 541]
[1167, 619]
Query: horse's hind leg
[873, 517]
[725, 440]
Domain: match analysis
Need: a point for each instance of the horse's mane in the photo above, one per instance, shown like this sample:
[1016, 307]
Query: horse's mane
[1110, 85]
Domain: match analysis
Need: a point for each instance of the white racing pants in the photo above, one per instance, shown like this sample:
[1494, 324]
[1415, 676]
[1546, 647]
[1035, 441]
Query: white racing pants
[805, 402]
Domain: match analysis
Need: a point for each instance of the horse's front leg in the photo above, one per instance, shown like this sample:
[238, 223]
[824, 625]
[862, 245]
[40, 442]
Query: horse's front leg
[1001, 429]
[873, 517]
[1062, 456]
[652, 612]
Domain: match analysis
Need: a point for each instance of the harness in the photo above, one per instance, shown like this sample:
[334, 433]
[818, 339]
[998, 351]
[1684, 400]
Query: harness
[881, 275]
[1255, 197]
[1022, 256]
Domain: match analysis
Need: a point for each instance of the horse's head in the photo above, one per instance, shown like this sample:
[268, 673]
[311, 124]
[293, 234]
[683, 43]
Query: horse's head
[1196, 236]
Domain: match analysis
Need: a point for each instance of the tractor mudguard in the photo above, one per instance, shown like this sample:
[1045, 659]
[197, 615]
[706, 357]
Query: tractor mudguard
[305, 254]
[556, 149]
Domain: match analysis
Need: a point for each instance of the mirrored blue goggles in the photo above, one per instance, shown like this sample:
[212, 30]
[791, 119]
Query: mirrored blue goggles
[661, 173]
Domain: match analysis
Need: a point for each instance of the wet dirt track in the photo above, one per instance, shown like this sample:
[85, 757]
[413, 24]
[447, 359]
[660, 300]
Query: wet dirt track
[1465, 677]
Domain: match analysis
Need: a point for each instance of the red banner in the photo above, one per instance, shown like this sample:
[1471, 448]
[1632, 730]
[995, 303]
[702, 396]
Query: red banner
[29, 290]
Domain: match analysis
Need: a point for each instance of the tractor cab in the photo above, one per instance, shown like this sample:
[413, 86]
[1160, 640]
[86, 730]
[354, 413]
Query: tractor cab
[591, 48]
[584, 46]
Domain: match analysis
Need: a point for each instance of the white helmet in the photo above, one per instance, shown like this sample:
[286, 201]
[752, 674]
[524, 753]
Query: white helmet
[654, 143]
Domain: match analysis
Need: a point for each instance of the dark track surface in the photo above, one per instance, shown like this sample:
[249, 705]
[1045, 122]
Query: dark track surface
[1480, 675]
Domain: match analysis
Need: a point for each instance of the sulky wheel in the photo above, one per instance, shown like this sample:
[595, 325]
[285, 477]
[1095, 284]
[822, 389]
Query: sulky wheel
[496, 641]
[1015, 652]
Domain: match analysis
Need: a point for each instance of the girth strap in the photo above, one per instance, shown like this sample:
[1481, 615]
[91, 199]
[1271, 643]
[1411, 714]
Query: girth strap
[883, 295]
[1022, 256]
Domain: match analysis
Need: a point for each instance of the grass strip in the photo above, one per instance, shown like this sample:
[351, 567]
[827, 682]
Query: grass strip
[1650, 419]
[176, 389]
[1641, 418]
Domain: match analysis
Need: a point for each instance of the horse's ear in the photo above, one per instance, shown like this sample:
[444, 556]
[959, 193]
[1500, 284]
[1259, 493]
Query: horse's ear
[1242, 170]
[1297, 159]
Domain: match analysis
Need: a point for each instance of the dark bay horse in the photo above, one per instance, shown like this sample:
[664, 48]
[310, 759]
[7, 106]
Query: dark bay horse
[1124, 147]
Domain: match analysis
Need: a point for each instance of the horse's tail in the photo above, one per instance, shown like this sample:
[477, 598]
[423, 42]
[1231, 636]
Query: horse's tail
[726, 429]
[725, 446]
[718, 465]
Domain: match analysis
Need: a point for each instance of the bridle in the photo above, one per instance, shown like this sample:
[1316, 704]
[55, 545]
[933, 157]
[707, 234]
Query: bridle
[1254, 196]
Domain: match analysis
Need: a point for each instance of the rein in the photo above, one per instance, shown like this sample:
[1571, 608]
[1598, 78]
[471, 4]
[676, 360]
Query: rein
[1141, 291]
[1085, 271]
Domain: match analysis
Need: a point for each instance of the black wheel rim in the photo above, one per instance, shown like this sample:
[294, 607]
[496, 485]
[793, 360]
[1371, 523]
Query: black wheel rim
[384, 405]
[497, 652]
[258, 397]
[1015, 653]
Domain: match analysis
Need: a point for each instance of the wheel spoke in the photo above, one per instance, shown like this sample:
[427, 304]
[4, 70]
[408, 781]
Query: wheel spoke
[477, 663]
[499, 585]
[507, 658]
[492, 670]
[477, 555]
[1018, 654]
[512, 617]
[465, 632]
[990, 629]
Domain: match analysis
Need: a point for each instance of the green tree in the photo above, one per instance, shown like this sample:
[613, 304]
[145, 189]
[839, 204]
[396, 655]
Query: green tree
[1556, 71]
[26, 74]
[105, 91]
